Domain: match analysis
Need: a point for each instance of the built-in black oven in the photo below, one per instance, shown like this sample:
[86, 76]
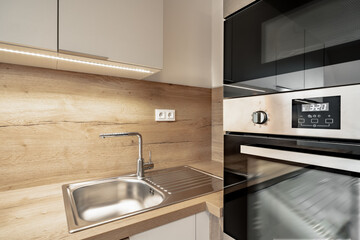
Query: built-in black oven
[292, 165]
[285, 45]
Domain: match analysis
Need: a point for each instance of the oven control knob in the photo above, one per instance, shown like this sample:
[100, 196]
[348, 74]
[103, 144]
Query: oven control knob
[259, 117]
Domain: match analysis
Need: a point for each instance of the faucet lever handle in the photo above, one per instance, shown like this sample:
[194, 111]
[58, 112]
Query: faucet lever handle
[150, 164]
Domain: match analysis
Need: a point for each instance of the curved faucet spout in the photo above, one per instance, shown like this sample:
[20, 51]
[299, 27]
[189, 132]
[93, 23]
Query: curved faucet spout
[105, 135]
[140, 162]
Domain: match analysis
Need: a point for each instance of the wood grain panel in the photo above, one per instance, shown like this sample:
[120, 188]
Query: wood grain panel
[50, 122]
[217, 139]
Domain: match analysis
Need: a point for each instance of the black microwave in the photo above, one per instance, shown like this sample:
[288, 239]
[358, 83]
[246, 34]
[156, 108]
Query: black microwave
[281, 45]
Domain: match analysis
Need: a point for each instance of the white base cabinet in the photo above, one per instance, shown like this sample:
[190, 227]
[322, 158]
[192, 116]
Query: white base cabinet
[202, 226]
[195, 227]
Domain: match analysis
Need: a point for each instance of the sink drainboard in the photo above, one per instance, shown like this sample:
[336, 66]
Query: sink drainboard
[179, 180]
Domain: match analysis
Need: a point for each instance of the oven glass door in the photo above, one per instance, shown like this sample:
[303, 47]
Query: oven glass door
[283, 199]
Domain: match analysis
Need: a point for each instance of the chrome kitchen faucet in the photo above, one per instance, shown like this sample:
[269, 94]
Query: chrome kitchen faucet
[141, 166]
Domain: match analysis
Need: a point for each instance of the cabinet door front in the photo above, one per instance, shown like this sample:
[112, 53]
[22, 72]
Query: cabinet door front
[30, 23]
[280, 45]
[248, 60]
[119, 30]
[177, 230]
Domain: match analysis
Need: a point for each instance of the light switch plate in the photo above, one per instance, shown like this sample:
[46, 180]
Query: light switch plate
[164, 115]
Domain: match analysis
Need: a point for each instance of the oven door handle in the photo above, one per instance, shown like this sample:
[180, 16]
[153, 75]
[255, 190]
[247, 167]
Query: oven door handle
[346, 164]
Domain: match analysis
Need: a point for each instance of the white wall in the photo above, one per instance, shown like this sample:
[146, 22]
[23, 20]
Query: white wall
[193, 32]
[217, 44]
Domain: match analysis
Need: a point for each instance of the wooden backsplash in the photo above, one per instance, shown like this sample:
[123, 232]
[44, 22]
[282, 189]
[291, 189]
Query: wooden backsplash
[50, 123]
[217, 139]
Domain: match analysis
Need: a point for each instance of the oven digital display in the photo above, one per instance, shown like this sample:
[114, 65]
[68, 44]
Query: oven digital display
[316, 113]
[315, 107]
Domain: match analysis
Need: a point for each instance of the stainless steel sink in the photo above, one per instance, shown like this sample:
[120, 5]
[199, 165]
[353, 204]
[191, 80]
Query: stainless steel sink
[114, 198]
[89, 204]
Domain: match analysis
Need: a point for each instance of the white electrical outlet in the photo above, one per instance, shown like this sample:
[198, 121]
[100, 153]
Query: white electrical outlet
[164, 115]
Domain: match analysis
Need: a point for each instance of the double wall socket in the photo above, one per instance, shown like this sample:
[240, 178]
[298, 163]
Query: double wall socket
[164, 115]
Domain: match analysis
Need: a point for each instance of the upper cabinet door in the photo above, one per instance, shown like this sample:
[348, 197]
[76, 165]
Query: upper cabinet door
[30, 23]
[127, 31]
[280, 45]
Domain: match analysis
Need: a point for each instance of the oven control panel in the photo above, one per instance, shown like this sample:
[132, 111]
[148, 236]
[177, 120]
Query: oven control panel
[319, 112]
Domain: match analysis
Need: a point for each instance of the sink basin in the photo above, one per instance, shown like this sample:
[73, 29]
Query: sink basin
[110, 199]
[91, 203]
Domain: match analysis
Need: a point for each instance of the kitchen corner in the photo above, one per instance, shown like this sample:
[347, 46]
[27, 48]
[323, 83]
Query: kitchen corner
[179, 119]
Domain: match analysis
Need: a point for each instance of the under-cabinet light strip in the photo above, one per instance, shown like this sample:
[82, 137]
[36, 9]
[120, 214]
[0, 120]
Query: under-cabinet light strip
[74, 61]
[245, 88]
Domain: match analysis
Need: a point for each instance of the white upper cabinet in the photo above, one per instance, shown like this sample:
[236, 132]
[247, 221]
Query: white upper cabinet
[126, 31]
[30, 23]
